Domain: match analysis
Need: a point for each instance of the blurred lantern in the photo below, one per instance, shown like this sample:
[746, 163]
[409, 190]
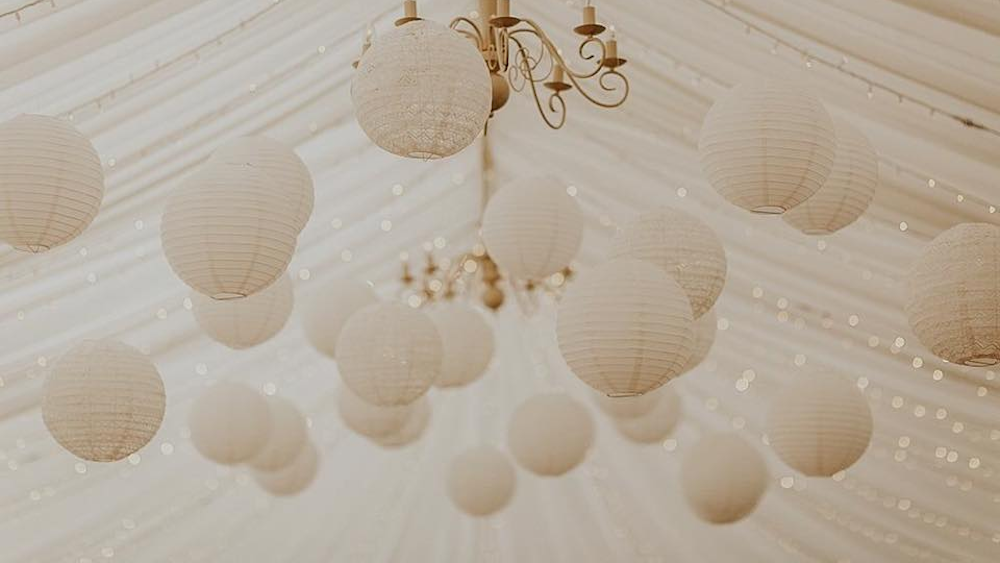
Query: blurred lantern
[287, 437]
[414, 427]
[467, 342]
[657, 424]
[328, 308]
[247, 322]
[230, 423]
[705, 329]
[481, 481]
[294, 477]
[627, 407]
[550, 434]
[368, 420]
[723, 478]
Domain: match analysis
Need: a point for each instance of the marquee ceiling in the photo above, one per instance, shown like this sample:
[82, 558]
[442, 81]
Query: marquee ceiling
[159, 84]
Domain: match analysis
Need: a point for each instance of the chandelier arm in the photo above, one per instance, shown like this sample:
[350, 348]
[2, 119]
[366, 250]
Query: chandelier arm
[547, 43]
[526, 55]
[476, 35]
[557, 109]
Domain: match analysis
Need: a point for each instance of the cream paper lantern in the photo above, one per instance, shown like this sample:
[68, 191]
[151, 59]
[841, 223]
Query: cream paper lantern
[705, 329]
[288, 436]
[532, 228]
[294, 478]
[230, 423]
[625, 328]
[550, 434]
[627, 407]
[227, 232]
[481, 481]
[723, 478]
[422, 91]
[247, 322]
[51, 182]
[368, 420]
[103, 400]
[820, 424]
[656, 425]
[685, 247]
[467, 343]
[954, 295]
[414, 427]
[847, 192]
[767, 146]
[389, 354]
[328, 308]
[288, 173]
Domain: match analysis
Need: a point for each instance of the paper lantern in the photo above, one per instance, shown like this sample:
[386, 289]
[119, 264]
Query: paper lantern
[723, 478]
[820, 424]
[550, 434]
[293, 478]
[227, 232]
[705, 330]
[51, 182]
[369, 420]
[625, 328]
[767, 146]
[657, 424]
[685, 247]
[389, 354]
[328, 308]
[532, 228]
[481, 481]
[247, 322]
[467, 344]
[422, 91]
[289, 175]
[954, 295]
[103, 401]
[416, 423]
[287, 437]
[627, 407]
[230, 423]
[847, 192]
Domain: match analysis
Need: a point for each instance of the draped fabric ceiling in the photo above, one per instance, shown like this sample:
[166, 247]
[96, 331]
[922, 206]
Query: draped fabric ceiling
[159, 84]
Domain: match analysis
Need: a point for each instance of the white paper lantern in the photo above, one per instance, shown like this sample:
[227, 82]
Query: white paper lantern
[327, 310]
[684, 246]
[247, 322]
[416, 423]
[954, 295]
[51, 182]
[847, 192]
[723, 478]
[422, 91]
[481, 481]
[293, 478]
[288, 173]
[705, 330]
[625, 328]
[288, 436]
[820, 424]
[550, 434]
[103, 400]
[369, 420]
[467, 342]
[627, 407]
[533, 228]
[656, 425]
[767, 146]
[227, 232]
[389, 354]
[230, 423]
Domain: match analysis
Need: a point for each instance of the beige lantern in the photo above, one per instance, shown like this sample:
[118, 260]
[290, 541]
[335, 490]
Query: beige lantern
[481, 481]
[954, 295]
[103, 401]
[247, 322]
[230, 423]
[627, 407]
[51, 182]
[657, 424]
[369, 420]
[414, 427]
[723, 478]
[685, 247]
[767, 146]
[328, 308]
[625, 328]
[288, 436]
[294, 478]
[467, 342]
[705, 329]
[550, 434]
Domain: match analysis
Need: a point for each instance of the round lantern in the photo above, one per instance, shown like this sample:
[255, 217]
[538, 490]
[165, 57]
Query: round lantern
[656, 425]
[328, 309]
[293, 478]
[625, 328]
[244, 323]
[820, 424]
[287, 437]
[51, 182]
[467, 343]
[422, 91]
[369, 420]
[847, 192]
[533, 228]
[230, 423]
[288, 173]
[954, 295]
[227, 232]
[767, 146]
[550, 434]
[705, 329]
[416, 423]
[685, 247]
[103, 401]
[481, 481]
[389, 354]
[627, 407]
[723, 478]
